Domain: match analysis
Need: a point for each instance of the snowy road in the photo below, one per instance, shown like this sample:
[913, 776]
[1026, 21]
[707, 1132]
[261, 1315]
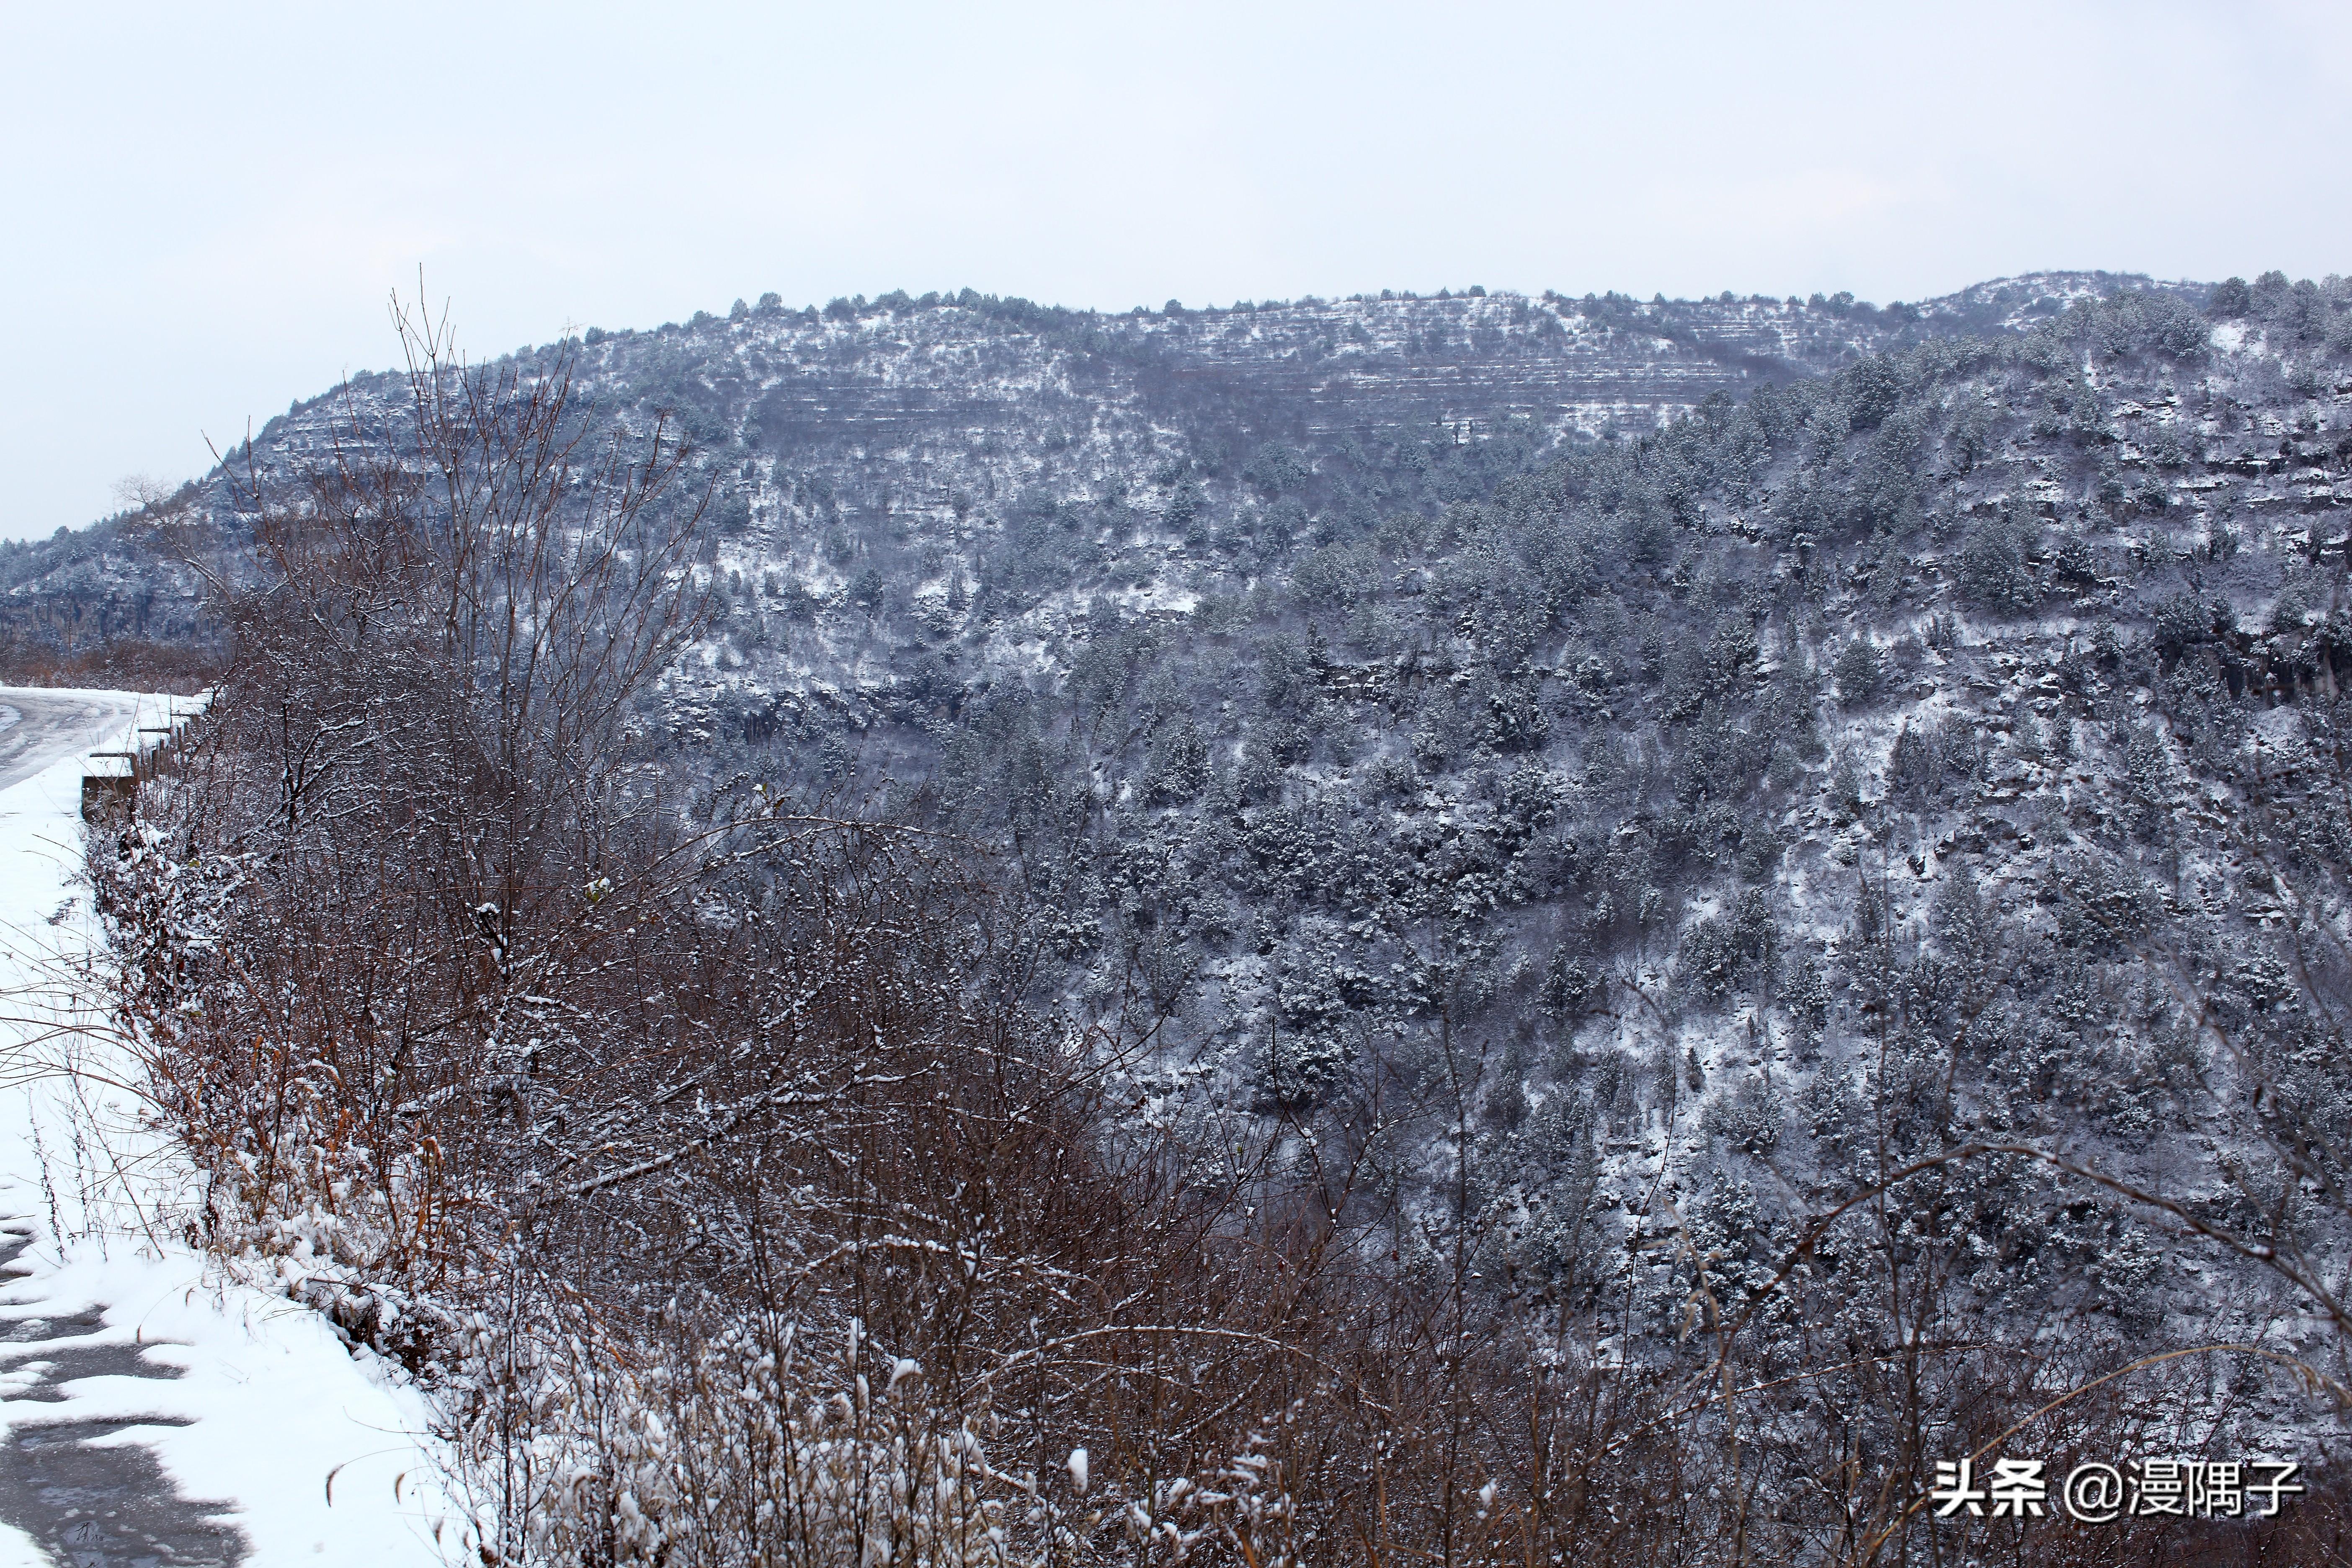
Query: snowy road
[38, 727]
[152, 1410]
[88, 1501]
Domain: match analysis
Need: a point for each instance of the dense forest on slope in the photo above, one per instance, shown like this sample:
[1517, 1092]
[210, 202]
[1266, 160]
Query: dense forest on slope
[1582, 790]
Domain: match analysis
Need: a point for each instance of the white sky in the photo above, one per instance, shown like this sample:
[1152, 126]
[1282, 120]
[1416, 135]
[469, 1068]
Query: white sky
[206, 206]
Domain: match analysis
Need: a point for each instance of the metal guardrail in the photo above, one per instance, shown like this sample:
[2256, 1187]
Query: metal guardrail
[115, 797]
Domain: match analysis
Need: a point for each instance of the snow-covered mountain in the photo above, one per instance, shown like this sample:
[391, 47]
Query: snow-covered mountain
[901, 413]
[1790, 738]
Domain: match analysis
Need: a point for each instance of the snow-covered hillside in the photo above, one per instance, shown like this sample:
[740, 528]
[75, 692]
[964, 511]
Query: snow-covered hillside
[1753, 818]
[943, 414]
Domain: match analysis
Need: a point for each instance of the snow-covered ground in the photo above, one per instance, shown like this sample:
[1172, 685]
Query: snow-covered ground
[115, 1332]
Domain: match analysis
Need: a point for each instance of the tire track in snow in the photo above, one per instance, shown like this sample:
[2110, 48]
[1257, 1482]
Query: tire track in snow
[91, 1499]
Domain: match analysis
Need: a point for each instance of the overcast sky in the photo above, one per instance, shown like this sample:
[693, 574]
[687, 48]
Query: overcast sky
[207, 206]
